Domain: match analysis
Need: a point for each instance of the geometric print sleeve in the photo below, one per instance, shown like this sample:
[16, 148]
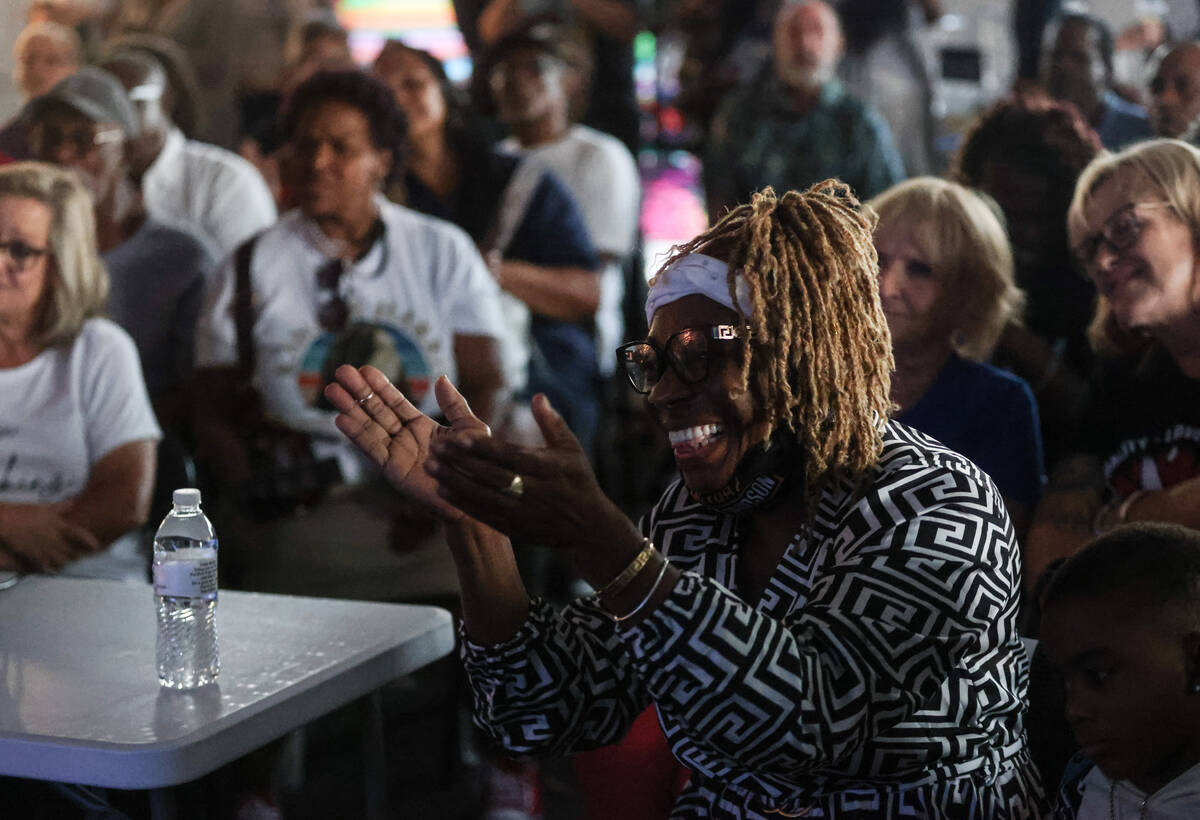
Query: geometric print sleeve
[880, 667]
[561, 684]
[902, 614]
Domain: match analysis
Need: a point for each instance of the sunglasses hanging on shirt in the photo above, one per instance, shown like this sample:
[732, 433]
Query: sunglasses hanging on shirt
[333, 313]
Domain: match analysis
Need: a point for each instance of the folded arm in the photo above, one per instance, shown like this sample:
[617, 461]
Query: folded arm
[116, 498]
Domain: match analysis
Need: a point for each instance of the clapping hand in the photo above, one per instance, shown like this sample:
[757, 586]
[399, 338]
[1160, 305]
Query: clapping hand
[546, 495]
[386, 426]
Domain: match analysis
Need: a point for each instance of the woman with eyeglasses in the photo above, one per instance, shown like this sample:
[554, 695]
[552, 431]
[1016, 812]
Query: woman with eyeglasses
[822, 607]
[78, 438]
[1135, 228]
[946, 284]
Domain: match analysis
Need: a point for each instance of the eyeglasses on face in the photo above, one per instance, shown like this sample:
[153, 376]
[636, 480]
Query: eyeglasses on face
[22, 255]
[687, 352]
[1119, 232]
[46, 137]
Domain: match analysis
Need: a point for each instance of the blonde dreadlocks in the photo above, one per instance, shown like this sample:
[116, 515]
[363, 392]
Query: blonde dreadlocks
[820, 358]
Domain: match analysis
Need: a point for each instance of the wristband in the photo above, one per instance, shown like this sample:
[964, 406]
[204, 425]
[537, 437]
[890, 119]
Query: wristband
[1130, 500]
[653, 588]
[630, 572]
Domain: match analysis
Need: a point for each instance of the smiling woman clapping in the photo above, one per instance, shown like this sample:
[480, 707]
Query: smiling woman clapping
[822, 607]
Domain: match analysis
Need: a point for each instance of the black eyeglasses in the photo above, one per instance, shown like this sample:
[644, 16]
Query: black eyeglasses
[1119, 232]
[688, 353]
[21, 254]
[332, 312]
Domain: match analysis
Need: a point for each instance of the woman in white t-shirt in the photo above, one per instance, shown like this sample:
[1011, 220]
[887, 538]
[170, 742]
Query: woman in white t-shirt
[77, 436]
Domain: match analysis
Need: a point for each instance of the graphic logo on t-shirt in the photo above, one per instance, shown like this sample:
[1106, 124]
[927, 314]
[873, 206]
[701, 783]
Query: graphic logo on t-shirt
[383, 346]
[14, 479]
[1154, 463]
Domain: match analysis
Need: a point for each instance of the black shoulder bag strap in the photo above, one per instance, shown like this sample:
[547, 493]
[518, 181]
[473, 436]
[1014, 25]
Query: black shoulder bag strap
[243, 308]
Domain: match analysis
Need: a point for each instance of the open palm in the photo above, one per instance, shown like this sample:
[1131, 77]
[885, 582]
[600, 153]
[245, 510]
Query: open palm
[393, 433]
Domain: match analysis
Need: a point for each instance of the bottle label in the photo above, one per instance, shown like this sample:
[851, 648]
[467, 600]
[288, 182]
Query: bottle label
[187, 576]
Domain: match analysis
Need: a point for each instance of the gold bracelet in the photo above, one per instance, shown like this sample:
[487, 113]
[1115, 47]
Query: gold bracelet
[630, 572]
[1130, 500]
[653, 589]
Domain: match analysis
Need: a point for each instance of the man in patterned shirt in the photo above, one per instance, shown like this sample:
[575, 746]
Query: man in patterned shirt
[798, 125]
[822, 608]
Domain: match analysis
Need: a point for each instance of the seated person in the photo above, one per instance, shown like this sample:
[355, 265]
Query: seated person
[157, 270]
[822, 607]
[78, 440]
[521, 215]
[45, 53]
[214, 194]
[946, 283]
[1026, 155]
[528, 76]
[1077, 66]
[1122, 623]
[346, 273]
[1175, 93]
[1135, 456]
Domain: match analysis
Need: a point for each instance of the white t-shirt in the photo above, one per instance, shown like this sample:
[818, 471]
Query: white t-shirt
[603, 177]
[1177, 800]
[211, 192]
[64, 411]
[421, 285]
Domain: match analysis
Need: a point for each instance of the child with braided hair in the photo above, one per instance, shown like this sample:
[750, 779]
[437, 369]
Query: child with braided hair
[821, 607]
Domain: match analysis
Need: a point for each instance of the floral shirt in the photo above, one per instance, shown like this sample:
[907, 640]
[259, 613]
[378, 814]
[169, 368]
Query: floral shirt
[880, 674]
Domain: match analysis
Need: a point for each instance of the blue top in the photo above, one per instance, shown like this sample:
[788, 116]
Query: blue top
[1122, 122]
[158, 277]
[551, 233]
[990, 416]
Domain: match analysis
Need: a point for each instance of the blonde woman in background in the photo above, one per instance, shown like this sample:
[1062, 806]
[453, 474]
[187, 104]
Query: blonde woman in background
[43, 54]
[78, 438]
[946, 283]
[1135, 228]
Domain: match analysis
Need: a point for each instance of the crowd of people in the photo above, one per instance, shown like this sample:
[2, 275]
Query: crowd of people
[927, 432]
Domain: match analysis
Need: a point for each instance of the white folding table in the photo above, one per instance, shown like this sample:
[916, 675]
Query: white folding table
[80, 702]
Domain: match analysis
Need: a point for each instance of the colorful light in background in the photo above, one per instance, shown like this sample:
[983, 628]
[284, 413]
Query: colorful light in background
[427, 24]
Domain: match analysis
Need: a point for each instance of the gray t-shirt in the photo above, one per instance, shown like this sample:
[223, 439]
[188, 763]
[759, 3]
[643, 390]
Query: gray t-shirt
[157, 288]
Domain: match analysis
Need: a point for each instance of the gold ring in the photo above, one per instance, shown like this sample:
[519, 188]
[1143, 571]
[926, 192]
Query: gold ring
[366, 398]
[516, 487]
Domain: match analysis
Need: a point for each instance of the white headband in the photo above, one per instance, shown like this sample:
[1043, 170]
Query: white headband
[695, 273]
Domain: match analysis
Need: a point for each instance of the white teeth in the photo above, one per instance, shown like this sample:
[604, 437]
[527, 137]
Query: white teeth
[703, 432]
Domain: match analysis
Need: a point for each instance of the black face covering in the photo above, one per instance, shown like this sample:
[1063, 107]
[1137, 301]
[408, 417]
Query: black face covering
[759, 478]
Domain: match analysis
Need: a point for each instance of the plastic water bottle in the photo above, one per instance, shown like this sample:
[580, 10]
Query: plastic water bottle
[185, 590]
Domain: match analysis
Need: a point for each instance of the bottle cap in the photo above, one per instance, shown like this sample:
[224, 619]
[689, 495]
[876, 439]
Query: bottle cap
[186, 497]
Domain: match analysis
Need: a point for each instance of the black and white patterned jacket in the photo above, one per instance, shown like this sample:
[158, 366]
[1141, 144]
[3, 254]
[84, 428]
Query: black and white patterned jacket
[879, 675]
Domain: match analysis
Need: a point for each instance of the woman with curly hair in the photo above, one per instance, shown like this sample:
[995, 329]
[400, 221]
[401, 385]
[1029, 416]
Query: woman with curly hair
[344, 270]
[822, 607]
[1026, 153]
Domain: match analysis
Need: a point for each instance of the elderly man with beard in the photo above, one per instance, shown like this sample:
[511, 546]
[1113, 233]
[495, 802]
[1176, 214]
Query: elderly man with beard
[798, 125]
